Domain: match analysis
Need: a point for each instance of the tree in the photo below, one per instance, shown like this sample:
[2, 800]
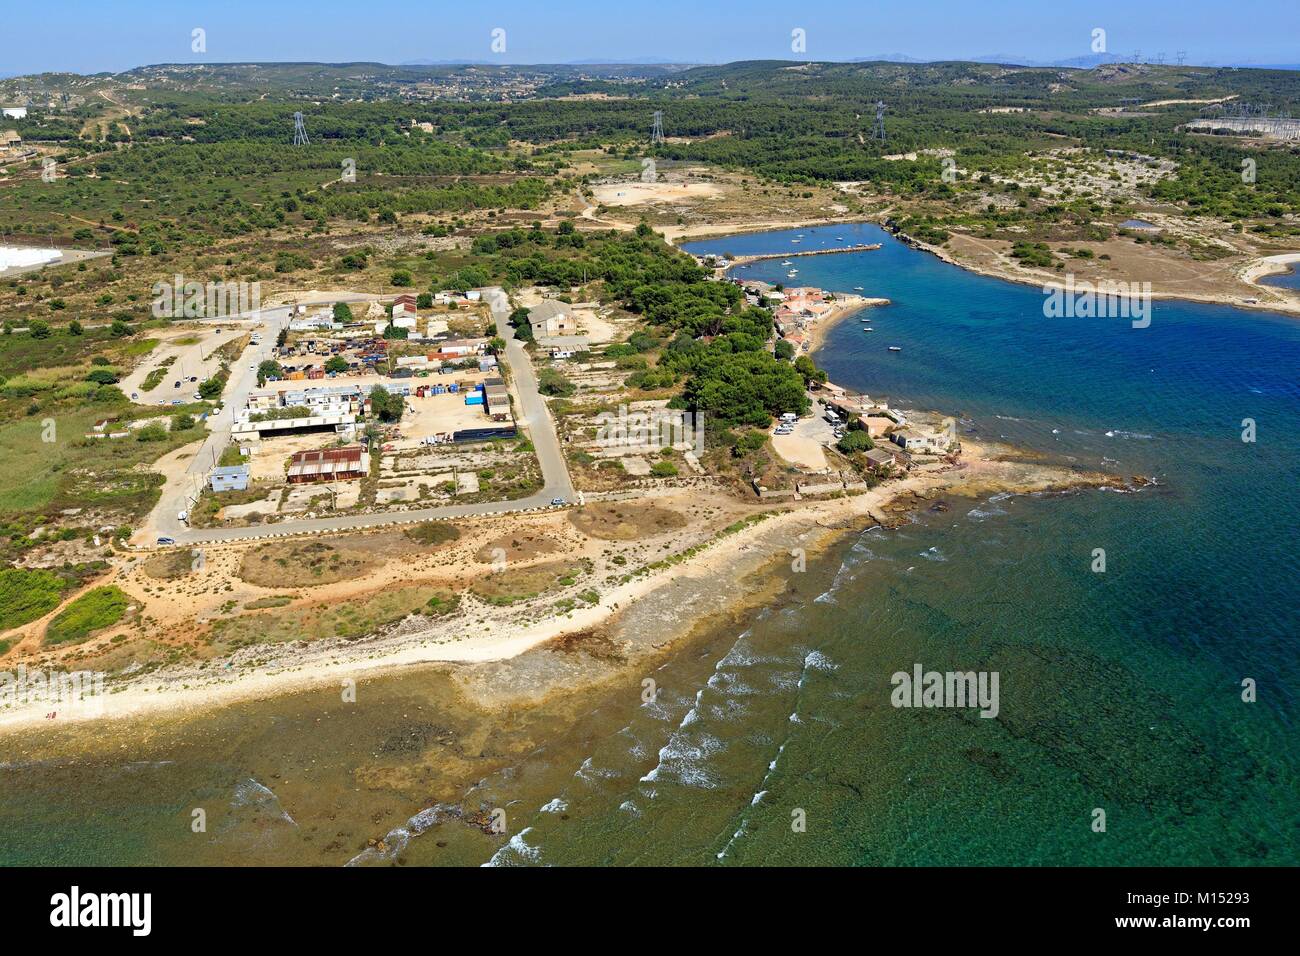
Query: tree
[119, 329]
[402, 278]
[74, 327]
[39, 329]
[809, 370]
[855, 441]
[496, 345]
[335, 364]
[342, 313]
[101, 376]
[211, 388]
[551, 382]
[784, 350]
[386, 406]
[268, 369]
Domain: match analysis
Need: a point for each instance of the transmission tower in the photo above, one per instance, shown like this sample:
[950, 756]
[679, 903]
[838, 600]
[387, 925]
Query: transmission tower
[1160, 59]
[1181, 56]
[878, 130]
[1137, 56]
[299, 131]
[657, 132]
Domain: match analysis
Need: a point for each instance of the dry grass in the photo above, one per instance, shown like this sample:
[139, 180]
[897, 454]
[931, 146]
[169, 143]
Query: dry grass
[616, 521]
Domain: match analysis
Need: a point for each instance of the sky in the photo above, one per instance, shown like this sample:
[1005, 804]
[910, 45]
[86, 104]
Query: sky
[86, 36]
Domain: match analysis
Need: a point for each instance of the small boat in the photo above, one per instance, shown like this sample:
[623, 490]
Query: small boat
[857, 288]
[839, 238]
[895, 348]
[787, 263]
[868, 329]
[796, 240]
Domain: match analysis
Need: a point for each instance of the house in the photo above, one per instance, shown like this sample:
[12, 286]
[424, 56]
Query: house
[552, 318]
[15, 112]
[10, 139]
[329, 464]
[229, 478]
[880, 458]
[920, 442]
[464, 347]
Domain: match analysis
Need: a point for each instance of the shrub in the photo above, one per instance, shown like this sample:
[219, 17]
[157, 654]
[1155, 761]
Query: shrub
[93, 611]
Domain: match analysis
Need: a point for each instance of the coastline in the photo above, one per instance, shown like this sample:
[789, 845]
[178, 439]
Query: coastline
[192, 689]
[1267, 265]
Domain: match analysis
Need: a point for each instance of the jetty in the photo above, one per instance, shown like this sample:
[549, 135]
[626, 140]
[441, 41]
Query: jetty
[743, 260]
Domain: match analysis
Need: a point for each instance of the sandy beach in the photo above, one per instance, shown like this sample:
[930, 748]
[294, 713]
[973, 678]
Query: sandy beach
[653, 597]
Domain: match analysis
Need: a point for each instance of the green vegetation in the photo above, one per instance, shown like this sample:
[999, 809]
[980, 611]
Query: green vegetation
[27, 595]
[432, 532]
[93, 611]
[855, 441]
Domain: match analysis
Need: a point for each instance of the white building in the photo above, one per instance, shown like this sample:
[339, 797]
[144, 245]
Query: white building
[15, 112]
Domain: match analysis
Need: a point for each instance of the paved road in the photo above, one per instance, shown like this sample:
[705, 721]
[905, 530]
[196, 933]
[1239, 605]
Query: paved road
[533, 413]
[243, 379]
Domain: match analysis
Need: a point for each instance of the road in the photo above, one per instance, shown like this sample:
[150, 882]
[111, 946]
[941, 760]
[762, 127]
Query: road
[180, 496]
[532, 413]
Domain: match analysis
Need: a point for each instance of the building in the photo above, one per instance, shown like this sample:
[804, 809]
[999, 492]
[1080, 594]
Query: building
[10, 139]
[880, 458]
[329, 464]
[552, 318]
[15, 112]
[922, 443]
[229, 478]
[463, 347]
[497, 399]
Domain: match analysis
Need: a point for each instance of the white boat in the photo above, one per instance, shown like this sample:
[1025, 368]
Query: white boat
[787, 263]
[839, 238]
[857, 288]
[868, 329]
[796, 240]
[895, 348]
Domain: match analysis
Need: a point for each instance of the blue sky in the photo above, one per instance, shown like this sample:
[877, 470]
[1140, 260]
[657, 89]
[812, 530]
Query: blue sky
[96, 35]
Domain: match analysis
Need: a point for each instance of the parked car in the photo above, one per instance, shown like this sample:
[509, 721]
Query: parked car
[166, 540]
[198, 397]
[176, 384]
[558, 502]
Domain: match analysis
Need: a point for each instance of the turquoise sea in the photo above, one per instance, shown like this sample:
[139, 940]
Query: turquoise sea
[773, 740]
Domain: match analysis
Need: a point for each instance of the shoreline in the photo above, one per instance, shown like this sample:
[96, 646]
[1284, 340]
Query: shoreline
[1250, 273]
[191, 690]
